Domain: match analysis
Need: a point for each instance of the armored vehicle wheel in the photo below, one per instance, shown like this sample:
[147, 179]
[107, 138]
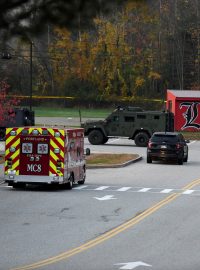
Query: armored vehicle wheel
[141, 139]
[105, 139]
[96, 137]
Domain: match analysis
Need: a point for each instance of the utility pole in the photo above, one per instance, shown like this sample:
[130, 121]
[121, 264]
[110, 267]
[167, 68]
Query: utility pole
[31, 75]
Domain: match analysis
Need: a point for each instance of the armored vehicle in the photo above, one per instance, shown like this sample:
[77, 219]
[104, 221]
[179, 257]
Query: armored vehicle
[130, 122]
[16, 118]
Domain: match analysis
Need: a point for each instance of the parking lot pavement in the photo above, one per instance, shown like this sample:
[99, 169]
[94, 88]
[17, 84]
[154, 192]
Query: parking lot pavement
[61, 121]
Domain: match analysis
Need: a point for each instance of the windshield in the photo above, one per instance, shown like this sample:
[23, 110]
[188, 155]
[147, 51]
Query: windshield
[164, 138]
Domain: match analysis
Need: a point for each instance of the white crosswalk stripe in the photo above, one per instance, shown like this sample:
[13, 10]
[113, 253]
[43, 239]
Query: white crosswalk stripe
[189, 191]
[129, 189]
[139, 190]
[144, 190]
[80, 187]
[102, 188]
[124, 188]
[167, 190]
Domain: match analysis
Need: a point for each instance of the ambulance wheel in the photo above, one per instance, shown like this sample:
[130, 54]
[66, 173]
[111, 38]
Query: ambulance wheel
[19, 185]
[69, 185]
[82, 181]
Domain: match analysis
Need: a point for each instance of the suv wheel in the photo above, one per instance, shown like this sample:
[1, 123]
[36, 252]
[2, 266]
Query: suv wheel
[185, 159]
[96, 137]
[141, 139]
[180, 161]
[149, 160]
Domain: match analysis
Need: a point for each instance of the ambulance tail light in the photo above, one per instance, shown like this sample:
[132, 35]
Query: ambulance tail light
[59, 165]
[9, 162]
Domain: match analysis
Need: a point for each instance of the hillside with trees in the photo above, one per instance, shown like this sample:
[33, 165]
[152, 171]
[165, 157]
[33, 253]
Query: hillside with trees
[134, 53]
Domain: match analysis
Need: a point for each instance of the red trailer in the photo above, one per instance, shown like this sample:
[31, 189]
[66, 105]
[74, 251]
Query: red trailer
[185, 104]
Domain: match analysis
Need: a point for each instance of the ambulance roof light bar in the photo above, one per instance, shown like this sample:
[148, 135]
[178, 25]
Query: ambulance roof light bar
[35, 132]
[45, 132]
[24, 131]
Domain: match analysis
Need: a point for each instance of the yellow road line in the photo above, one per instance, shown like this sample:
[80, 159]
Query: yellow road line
[126, 225]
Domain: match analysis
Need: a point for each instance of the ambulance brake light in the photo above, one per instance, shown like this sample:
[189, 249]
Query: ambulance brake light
[59, 164]
[9, 163]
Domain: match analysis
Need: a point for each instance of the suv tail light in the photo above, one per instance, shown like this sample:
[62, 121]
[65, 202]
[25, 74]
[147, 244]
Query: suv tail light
[150, 144]
[178, 146]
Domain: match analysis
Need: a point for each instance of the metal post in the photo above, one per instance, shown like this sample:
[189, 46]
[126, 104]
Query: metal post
[31, 74]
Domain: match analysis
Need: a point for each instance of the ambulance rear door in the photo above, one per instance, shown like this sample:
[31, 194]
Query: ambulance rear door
[34, 155]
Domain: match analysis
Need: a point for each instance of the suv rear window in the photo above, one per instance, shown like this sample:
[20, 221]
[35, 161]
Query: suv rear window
[164, 138]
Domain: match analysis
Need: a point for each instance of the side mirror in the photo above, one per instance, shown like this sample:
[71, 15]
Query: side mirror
[87, 151]
[187, 141]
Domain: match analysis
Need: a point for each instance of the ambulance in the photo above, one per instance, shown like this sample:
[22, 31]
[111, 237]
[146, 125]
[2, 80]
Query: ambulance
[41, 155]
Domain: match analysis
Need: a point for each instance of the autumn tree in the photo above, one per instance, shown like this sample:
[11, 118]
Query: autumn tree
[105, 57]
[136, 52]
[7, 105]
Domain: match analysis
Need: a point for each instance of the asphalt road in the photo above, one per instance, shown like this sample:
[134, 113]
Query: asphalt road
[137, 217]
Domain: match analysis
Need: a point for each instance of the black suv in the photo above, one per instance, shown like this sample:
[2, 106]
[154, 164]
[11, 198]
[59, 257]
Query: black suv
[167, 146]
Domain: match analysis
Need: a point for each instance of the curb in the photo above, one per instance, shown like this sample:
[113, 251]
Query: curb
[104, 166]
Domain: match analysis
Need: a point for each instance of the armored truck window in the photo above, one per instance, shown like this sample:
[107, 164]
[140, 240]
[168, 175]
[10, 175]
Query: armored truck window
[156, 117]
[129, 119]
[115, 118]
[141, 116]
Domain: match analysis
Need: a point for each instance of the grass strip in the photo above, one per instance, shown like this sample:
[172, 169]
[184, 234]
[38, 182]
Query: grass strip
[71, 112]
[109, 159]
